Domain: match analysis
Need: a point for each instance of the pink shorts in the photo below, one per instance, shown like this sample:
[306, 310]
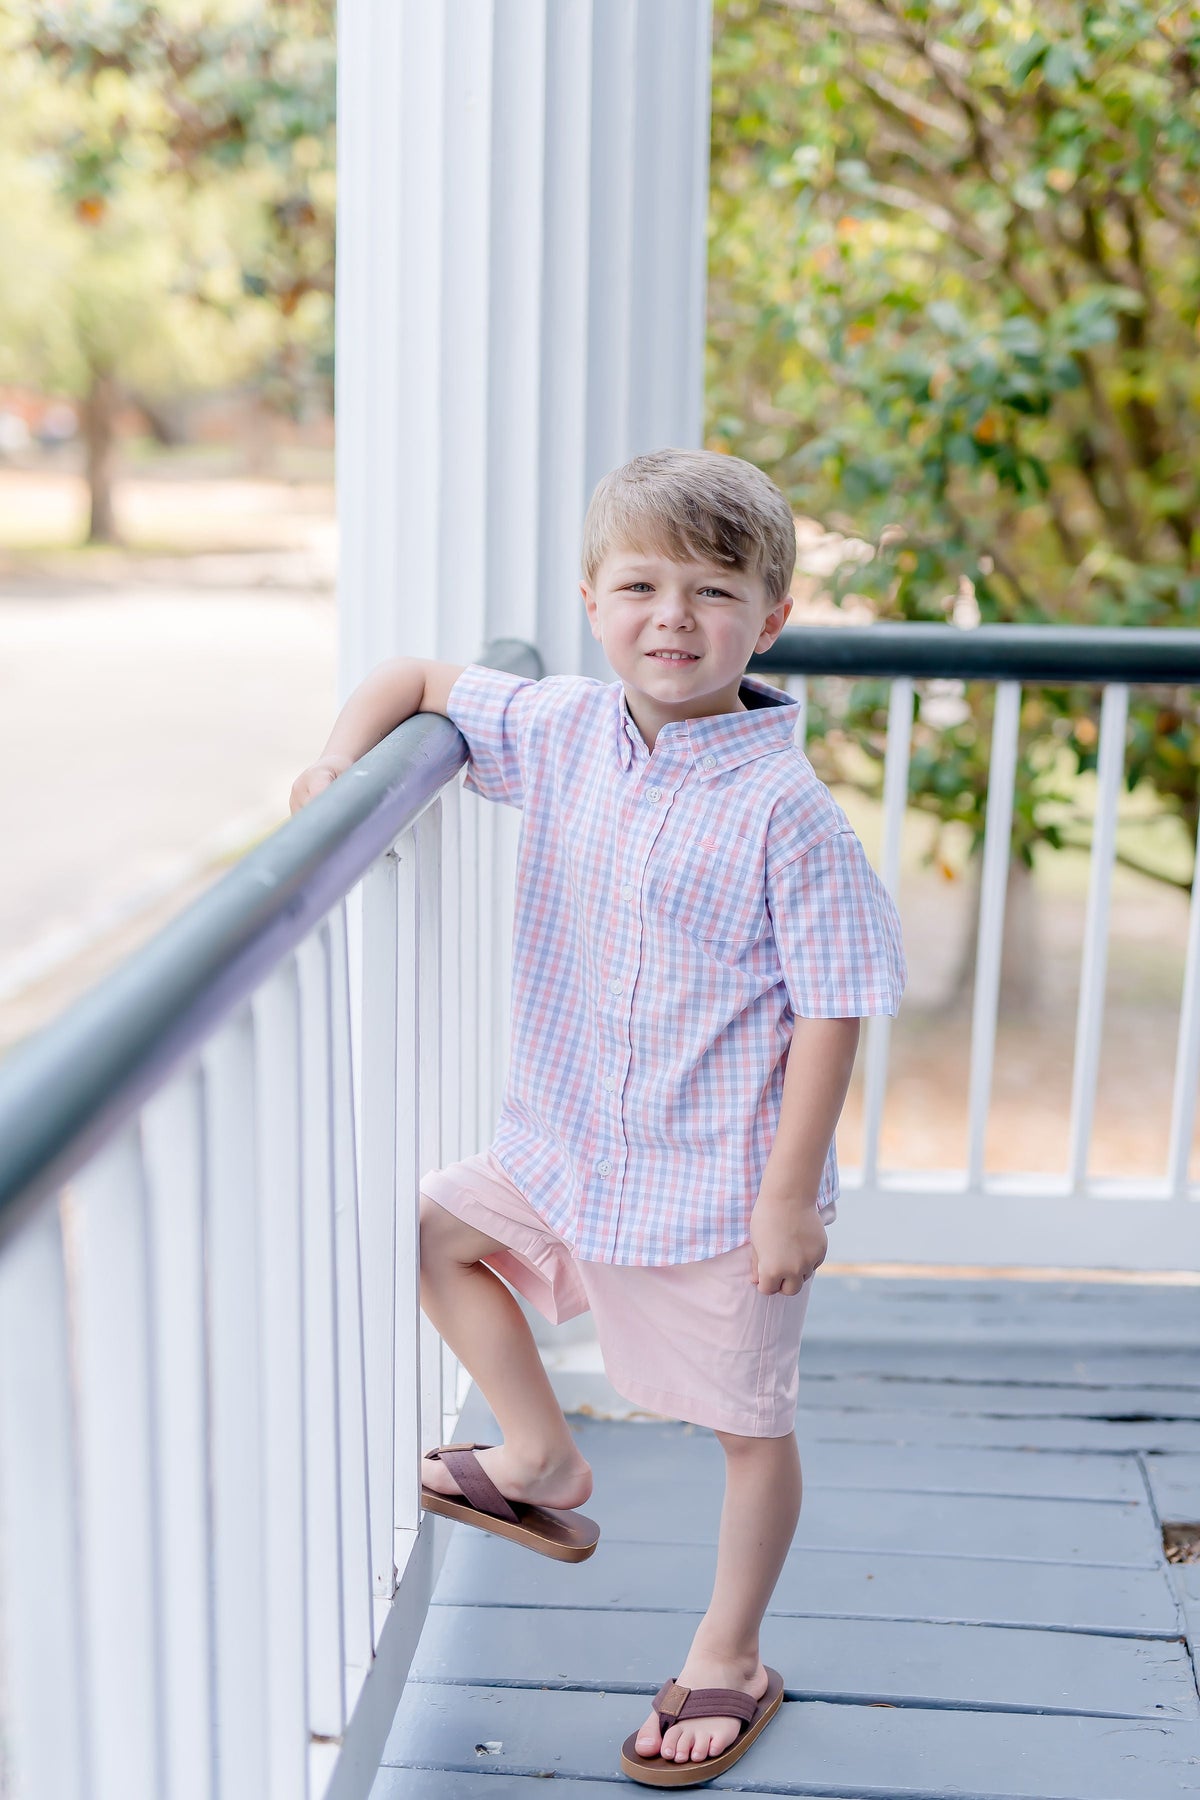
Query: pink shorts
[694, 1341]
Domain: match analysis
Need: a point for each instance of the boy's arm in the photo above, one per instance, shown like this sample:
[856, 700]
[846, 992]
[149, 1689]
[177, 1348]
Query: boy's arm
[819, 1065]
[392, 692]
[787, 1234]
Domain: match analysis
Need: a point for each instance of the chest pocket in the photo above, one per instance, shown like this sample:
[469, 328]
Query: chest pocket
[713, 887]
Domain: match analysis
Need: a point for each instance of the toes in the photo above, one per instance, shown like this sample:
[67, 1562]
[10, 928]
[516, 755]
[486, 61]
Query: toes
[648, 1739]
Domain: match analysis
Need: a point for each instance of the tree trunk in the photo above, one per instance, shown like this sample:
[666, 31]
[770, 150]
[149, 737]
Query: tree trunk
[1021, 970]
[167, 419]
[259, 438]
[100, 437]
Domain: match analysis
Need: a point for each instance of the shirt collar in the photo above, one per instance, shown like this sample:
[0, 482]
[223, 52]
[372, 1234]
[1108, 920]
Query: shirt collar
[719, 741]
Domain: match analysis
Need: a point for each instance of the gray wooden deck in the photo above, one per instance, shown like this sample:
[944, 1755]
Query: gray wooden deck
[977, 1603]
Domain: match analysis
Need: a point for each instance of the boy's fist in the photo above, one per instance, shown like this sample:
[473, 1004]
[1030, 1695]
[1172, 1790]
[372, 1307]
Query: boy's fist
[315, 779]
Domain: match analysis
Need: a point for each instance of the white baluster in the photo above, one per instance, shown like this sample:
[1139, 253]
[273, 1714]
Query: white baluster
[1187, 1054]
[895, 800]
[326, 1656]
[352, 1430]
[450, 899]
[1002, 767]
[410, 1105]
[173, 1147]
[105, 1207]
[379, 1200]
[45, 1716]
[432, 1029]
[455, 1001]
[234, 1250]
[276, 1008]
[1090, 1015]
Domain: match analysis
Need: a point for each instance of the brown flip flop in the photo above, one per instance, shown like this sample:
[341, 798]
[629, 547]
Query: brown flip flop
[550, 1530]
[673, 1703]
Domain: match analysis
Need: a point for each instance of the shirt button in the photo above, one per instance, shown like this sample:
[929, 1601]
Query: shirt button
[609, 1083]
[614, 986]
[654, 793]
[604, 1165]
[709, 762]
[627, 892]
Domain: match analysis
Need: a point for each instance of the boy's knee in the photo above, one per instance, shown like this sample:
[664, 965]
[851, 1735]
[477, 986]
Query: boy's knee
[735, 1443]
[446, 1238]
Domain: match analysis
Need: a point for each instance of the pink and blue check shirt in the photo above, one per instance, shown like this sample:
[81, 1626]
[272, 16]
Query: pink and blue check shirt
[675, 912]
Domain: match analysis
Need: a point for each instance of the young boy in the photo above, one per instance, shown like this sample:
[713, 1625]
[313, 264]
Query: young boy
[697, 934]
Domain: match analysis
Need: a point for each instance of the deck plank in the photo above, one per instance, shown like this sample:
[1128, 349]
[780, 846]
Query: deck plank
[991, 1310]
[1175, 1484]
[905, 1663]
[823, 1583]
[1069, 1364]
[1122, 1533]
[450, 1784]
[669, 1451]
[999, 1399]
[1120, 1432]
[811, 1747]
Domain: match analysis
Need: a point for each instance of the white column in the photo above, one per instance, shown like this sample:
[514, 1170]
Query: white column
[521, 282]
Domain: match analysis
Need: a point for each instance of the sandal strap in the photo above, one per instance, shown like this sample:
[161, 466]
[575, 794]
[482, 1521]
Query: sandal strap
[674, 1702]
[477, 1485]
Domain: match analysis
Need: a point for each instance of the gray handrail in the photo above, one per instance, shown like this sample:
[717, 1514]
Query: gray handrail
[1050, 653]
[64, 1089]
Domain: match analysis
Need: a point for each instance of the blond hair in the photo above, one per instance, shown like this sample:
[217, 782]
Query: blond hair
[694, 503]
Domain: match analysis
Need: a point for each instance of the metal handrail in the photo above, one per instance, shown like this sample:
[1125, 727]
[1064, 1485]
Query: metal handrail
[1057, 653]
[65, 1088]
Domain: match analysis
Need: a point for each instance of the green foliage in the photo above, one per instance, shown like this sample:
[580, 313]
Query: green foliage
[167, 179]
[954, 286]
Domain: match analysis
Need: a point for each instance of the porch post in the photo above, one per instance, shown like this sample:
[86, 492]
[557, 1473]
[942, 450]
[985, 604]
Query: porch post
[521, 283]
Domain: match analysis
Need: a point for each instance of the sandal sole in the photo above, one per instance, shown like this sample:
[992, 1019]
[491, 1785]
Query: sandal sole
[564, 1534]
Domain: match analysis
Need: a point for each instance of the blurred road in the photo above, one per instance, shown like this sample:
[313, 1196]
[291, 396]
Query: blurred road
[147, 735]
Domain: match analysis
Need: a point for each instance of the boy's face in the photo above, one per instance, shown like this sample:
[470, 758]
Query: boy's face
[642, 601]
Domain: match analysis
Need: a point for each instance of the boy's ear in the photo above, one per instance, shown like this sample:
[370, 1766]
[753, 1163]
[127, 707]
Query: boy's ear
[784, 605]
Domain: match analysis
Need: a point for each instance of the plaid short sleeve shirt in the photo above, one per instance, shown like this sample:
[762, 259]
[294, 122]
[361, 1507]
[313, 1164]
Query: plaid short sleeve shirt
[675, 912]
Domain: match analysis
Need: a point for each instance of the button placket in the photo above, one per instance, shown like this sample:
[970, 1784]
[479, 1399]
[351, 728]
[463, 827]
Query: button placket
[639, 855]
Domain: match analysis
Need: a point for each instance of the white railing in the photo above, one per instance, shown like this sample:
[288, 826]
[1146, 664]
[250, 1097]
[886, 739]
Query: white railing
[215, 1378]
[973, 1215]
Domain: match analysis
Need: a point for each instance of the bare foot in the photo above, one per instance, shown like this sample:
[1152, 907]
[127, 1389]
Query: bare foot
[562, 1484]
[694, 1739]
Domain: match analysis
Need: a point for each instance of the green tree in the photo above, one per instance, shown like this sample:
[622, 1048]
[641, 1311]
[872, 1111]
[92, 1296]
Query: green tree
[171, 186]
[954, 284]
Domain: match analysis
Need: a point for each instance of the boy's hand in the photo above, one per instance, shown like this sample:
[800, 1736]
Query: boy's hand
[316, 778]
[787, 1242]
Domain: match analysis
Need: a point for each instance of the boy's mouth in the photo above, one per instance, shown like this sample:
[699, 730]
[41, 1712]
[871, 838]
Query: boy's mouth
[672, 656]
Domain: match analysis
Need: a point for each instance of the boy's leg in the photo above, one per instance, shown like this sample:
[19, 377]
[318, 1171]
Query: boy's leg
[539, 1460]
[758, 1521]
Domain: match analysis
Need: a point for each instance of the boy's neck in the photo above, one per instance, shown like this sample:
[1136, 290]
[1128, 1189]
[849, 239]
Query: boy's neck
[650, 719]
